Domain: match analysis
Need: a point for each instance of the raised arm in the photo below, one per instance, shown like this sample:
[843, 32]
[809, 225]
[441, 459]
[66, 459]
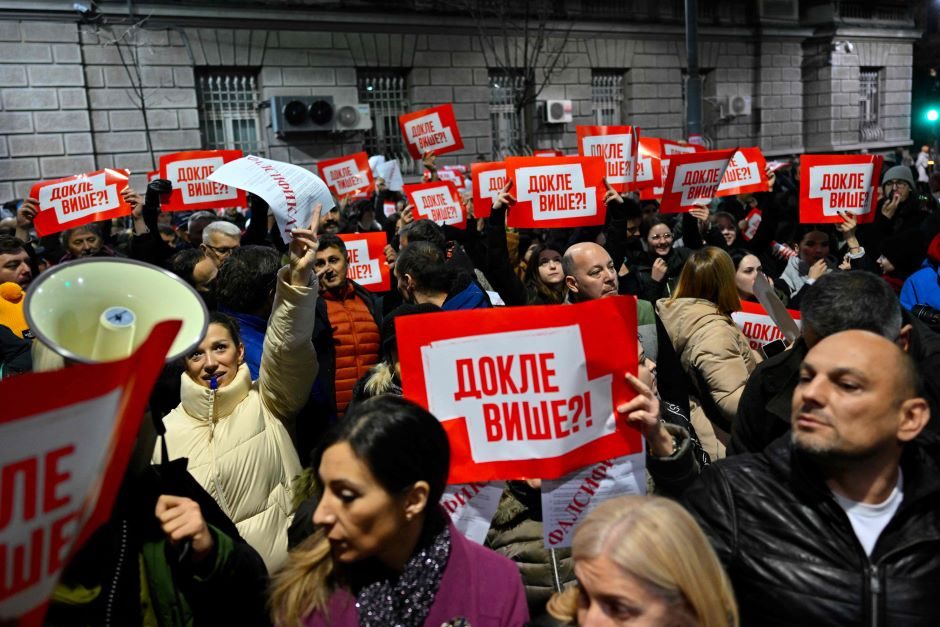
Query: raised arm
[289, 361]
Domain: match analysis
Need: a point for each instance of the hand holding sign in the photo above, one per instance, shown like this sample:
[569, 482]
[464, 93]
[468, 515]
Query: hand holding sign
[830, 184]
[611, 196]
[78, 200]
[643, 412]
[303, 251]
[504, 200]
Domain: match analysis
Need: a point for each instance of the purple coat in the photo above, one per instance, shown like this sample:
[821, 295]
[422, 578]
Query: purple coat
[478, 585]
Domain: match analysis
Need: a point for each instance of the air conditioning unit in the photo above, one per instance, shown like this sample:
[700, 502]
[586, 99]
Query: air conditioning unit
[300, 114]
[558, 111]
[352, 117]
[734, 106]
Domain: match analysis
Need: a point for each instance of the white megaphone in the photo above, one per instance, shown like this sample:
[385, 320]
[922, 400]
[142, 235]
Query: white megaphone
[102, 309]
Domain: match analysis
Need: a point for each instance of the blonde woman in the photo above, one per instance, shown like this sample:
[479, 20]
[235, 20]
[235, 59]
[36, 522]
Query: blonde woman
[714, 354]
[645, 561]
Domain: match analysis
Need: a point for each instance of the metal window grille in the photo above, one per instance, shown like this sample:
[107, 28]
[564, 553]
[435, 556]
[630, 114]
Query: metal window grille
[607, 98]
[507, 122]
[228, 111]
[386, 93]
[868, 95]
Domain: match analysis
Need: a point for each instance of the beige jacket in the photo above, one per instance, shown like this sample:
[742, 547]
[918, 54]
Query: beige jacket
[237, 438]
[713, 350]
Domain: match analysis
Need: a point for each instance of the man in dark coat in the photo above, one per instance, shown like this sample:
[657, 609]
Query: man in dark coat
[838, 523]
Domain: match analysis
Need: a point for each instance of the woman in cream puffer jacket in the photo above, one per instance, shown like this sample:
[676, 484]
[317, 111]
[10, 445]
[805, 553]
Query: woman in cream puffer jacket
[712, 350]
[237, 432]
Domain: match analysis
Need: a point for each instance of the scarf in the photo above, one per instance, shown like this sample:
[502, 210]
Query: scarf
[406, 600]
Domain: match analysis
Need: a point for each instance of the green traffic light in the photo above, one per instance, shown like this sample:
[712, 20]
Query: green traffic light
[933, 115]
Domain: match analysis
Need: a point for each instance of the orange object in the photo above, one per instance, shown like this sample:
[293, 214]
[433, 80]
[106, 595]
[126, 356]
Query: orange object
[12, 298]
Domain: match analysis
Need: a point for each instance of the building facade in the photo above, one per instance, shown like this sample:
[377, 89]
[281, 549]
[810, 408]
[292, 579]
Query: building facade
[119, 83]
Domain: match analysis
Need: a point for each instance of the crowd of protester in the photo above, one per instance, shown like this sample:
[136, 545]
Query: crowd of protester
[291, 484]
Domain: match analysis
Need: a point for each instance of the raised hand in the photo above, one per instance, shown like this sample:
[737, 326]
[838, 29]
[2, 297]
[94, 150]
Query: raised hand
[303, 251]
[504, 199]
[643, 412]
[611, 195]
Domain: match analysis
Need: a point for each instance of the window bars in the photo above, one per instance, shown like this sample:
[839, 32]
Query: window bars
[386, 93]
[607, 97]
[507, 122]
[868, 95]
[228, 111]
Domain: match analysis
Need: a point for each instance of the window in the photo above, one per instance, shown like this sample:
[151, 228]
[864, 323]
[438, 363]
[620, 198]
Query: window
[386, 93]
[607, 97]
[869, 80]
[228, 110]
[507, 123]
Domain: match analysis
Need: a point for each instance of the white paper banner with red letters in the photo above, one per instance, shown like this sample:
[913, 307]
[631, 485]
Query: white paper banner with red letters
[431, 130]
[439, 202]
[66, 437]
[568, 501]
[617, 145]
[758, 327]
[524, 392]
[348, 176]
[830, 184]
[667, 149]
[560, 192]
[367, 264]
[472, 506]
[82, 199]
[488, 181]
[746, 174]
[693, 179]
[290, 191]
[192, 188]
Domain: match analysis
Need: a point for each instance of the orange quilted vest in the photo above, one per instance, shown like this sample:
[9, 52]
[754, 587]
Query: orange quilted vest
[356, 338]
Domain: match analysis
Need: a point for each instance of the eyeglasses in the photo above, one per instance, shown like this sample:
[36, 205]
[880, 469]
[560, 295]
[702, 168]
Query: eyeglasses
[897, 184]
[221, 250]
[659, 238]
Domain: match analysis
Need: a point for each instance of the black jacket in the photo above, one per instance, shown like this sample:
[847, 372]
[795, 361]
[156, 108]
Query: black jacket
[793, 557]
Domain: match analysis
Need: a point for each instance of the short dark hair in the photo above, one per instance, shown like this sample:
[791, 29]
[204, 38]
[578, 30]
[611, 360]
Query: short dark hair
[839, 301]
[247, 278]
[399, 441]
[424, 230]
[329, 240]
[230, 324]
[11, 245]
[184, 262]
[426, 264]
[68, 233]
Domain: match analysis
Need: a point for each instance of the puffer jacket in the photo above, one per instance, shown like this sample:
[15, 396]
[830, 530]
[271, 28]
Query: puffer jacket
[792, 555]
[718, 360]
[237, 438]
[516, 532]
[355, 341]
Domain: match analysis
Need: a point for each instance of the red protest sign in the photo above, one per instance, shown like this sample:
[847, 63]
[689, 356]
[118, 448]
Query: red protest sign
[830, 184]
[524, 392]
[757, 326]
[347, 176]
[746, 174]
[153, 175]
[81, 199]
[456, 174]
[693, 179]
[367, 263]
[648, 172]
[488, 181]
[556, 193]
[667, 148]
[437, 201]
[67, 437]
[431, 130]
[192, 190]
[617, 145]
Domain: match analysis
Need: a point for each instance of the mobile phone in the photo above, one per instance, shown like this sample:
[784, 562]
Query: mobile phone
[773, 348]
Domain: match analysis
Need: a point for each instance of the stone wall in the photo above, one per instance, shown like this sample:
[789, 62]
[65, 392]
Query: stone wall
[71, 101]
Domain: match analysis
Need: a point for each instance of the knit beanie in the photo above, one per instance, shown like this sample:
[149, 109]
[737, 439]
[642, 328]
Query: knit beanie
[899, 173]
[12, 297]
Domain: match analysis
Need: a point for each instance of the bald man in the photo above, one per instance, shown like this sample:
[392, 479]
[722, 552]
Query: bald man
[589, 272]
[838, 522]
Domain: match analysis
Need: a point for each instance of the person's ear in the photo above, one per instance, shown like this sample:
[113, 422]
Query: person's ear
[416, 499]
[915, 414]
[571, 283]
[241, 354]
[904, 338]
